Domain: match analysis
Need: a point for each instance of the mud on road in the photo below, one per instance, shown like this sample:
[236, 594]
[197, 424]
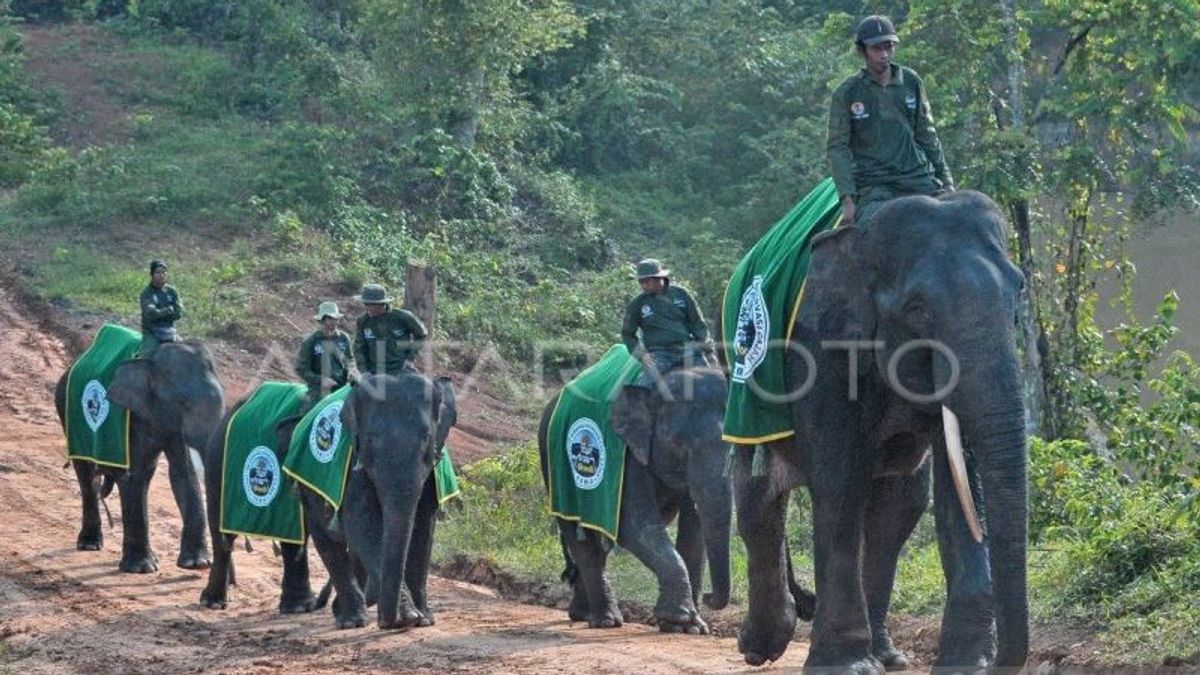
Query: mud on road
[68, 611]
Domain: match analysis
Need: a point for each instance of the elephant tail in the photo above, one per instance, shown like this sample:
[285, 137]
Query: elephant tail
[106, 485]
[323, 596]
[806, 600]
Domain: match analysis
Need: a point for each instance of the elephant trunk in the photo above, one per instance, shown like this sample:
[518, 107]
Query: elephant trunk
[397, 534]
[993, 418]
[715, 518]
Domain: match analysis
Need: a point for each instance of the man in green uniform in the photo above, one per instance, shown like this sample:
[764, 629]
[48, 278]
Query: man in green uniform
[670, 322]
[161, 308]
[882, 143]
[387, 340]
[325, 361]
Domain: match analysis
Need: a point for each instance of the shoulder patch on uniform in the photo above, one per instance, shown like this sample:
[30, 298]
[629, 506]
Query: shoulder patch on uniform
[858, 111]
[911, 101]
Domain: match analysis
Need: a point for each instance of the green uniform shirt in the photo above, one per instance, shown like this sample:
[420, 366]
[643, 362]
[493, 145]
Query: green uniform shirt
[884, 136]
[161, 307]
[386, 342]
[322, 356]
[668, 320]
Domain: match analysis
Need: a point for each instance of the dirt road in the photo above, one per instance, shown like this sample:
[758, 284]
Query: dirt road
[67, 611]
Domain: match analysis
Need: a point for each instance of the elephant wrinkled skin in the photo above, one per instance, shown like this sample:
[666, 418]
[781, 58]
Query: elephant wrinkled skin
[914, 313]
[176, 401]
[675, 466]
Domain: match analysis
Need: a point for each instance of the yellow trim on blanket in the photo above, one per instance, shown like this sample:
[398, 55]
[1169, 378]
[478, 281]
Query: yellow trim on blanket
[310, 486]
[746, 440]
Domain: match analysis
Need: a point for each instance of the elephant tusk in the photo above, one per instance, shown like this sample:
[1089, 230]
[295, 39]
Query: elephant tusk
[958, 470]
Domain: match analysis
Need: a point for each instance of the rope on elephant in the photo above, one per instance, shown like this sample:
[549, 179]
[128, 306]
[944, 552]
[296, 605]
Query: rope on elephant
[758, 313]
[585, 456]
[97, 429]
[254, 499]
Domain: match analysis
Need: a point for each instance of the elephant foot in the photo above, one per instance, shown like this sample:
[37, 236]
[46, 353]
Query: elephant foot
[695, 626]
[213, 599]
[764, 636]
[300, 605]
[578, 609]
[349, 614]
[806, 603]
[194, 561]
[405, 618]
[89, 541]
[867, 665]
[715, 601]
[139, 564]
[893, 659]
[964, 658]
[427, 618]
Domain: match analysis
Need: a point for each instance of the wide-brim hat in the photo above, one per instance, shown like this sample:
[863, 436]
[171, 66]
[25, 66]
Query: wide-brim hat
[875, 29]
[650, 268]
[375, 294]
[327, 309]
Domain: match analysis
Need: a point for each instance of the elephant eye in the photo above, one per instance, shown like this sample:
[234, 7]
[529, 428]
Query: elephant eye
[915, 310]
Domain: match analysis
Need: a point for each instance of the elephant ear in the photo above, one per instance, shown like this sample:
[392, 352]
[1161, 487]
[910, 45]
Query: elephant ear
[131, 386]
[447, 410]
[283, 434]
[632, 417]
[349, 414]
[837, 303]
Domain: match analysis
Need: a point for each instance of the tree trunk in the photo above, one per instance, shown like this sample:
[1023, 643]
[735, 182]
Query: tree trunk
[420, 298]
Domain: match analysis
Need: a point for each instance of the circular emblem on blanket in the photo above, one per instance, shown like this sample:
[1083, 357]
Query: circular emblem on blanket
[585, 453]
[753, 332]
[260, 476]
[95, 404]
[326, 433]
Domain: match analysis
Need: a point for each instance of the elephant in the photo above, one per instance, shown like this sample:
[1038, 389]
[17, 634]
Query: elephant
[175, 401]
[384, 527]
[296, 596]
[675, 466]
[902, 348]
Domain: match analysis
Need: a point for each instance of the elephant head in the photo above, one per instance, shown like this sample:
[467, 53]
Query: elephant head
[175, 391]
[678, 439]
[399, 424]
[929, 287]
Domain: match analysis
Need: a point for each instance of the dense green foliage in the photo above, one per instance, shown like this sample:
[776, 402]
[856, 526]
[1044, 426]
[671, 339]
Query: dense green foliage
[531, 149]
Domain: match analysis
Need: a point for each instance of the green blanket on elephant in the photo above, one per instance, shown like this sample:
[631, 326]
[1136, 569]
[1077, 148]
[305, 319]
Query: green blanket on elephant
[585, 458]
[759, 310]
[254, 499]
[320, 452]
[97, 430]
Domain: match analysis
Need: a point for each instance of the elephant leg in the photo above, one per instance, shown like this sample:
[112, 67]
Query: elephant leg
[136, 555]
[841, 635]
[896, 505]
[216, 593]
[590, 553]
[420, 550]
[643, 534]
[379, 526]
[91, 534]
[968, 636]
[349, 606]
[689, 543]
[185, 485]
[761, 507]
[296, 596]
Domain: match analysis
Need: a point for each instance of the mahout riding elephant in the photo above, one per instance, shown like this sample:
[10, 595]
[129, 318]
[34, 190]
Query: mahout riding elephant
[386, 521]
[296, 596]
[175, 401]
[904, 338]
[677, 468]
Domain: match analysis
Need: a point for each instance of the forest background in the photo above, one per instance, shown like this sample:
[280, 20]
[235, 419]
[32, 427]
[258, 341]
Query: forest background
[531, 149]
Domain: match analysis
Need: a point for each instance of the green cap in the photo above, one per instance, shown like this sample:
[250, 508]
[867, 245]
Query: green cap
[875, 29]
[650, 268]
[327, 308]
[375, 294]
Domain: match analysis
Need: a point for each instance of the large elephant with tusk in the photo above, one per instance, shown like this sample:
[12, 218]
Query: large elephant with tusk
[902, 351]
